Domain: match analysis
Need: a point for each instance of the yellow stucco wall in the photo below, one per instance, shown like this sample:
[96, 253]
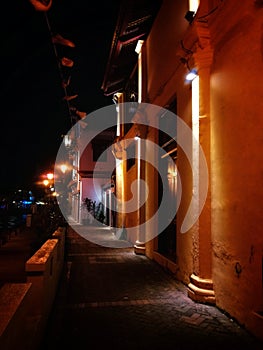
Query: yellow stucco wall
[233, 107]
[237, 168]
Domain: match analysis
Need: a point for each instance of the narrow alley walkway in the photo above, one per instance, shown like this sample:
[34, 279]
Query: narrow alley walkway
[112, 298]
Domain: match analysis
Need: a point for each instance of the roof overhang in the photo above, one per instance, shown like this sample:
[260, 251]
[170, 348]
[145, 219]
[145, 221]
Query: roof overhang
[134, 23]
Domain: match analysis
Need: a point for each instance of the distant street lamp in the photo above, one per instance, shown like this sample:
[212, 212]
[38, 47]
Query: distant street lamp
[46, 182]
[50, 176]
[63, 168]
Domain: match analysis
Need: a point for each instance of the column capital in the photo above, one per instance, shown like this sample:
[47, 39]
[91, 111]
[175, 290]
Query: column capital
[204, 52]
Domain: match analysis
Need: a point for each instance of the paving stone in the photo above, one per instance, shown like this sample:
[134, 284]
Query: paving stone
[115, 299]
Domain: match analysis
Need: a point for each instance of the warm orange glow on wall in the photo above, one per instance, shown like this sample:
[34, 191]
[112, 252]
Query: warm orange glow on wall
[120, 187]
[195, 130]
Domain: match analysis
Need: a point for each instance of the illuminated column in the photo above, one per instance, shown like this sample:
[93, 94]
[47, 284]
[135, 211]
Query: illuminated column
[80, 201]
[120, 160]
[110, 207]
[139, 189]
[200, 287]
[118, 99]
[76, 199]
[139, 246]
[138, 50]
[120, 191]
[121, 114]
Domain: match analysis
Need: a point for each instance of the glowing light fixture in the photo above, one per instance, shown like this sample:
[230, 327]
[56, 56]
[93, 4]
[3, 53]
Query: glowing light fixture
[191, 75]
[193, 7]
[67, 141]
[45, 182]
[139, 46]
[63, 168]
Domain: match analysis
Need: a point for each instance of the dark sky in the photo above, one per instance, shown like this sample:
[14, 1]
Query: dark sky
[33, 112]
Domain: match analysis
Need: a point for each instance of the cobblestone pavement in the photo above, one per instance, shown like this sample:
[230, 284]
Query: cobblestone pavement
[113, 298]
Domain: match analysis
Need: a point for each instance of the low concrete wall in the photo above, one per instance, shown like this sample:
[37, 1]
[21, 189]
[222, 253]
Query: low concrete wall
[14, 329]
[59, 234]
[25, 308]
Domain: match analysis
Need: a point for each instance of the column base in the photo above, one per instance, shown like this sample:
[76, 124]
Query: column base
[201, 290]
[139, 248]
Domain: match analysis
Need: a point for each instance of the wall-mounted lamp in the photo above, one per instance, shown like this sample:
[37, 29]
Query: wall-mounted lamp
[191, 75]
[116, 101]
[139, 46]
[189, 16]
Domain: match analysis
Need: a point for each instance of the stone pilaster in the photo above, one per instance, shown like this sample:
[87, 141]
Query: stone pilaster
[200, 287]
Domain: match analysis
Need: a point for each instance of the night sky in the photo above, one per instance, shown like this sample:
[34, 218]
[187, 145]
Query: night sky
[34, 114]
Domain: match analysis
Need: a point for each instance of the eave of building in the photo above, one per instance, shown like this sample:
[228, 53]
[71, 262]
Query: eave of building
[134, 23]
